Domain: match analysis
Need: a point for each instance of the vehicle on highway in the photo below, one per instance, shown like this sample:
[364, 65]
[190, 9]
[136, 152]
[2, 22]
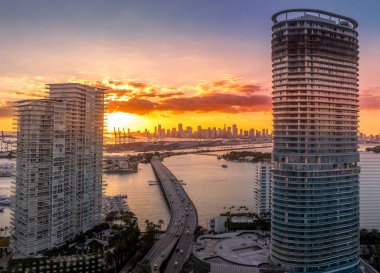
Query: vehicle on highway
[155, 267]
[176, 264]
[163, 254]
[181, 251]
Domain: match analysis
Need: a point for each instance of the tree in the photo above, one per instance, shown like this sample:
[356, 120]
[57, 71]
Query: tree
[143, 267]
[111, 216]
[160, 223]
[199, 230]
[110, 259]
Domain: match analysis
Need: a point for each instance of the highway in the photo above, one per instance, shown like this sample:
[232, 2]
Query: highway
[179, 235]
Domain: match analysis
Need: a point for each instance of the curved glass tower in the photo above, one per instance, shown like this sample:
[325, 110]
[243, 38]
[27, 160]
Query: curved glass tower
[315, 217]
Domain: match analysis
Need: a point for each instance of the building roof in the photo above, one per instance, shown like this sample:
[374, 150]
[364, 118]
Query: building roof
[320, 13]
[244, 248]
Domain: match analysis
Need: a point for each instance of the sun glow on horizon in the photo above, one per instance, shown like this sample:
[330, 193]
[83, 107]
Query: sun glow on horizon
[124, 120]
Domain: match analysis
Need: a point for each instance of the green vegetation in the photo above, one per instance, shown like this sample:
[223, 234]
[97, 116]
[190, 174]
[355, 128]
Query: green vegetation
[122, 244]
[199, 230]
[152, 231]
[93, 263]
[4, 241]
[371, 239]
[260, 222]
[247, 156]
[143, 267]
[375, 149]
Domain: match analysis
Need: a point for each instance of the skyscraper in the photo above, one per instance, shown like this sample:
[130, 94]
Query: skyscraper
[180, 129]
[315, 217]
[58, 188]
[262, 187]
[234, 131]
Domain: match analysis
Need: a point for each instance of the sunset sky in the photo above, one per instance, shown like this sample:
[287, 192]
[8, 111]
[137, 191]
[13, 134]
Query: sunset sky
[196, 62]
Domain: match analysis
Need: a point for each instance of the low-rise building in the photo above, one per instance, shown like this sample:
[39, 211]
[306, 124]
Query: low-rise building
[237, 252]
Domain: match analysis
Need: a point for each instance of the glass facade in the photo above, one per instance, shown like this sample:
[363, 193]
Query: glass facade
[315, 213]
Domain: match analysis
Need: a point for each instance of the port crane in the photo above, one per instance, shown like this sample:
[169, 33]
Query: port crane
[6, 145]
[121, 137]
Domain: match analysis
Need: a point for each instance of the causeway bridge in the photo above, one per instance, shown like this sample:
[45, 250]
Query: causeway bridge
[174, 246]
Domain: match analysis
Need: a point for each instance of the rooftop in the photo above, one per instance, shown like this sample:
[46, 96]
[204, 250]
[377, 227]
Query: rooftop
[245, 248]
[321, 15]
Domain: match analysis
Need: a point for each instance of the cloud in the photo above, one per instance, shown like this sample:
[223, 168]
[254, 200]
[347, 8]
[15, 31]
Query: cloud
[133, 106]
[224, 103]
[249, 88]
[6, 109]
[230, 95]
[217, 102]
[370, 99]
[164, 95]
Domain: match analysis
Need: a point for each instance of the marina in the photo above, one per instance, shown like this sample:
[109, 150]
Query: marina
[117, 203]
[7, 169]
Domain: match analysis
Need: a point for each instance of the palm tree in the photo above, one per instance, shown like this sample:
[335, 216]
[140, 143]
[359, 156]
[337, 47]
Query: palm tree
[160, 223]
[110, 259]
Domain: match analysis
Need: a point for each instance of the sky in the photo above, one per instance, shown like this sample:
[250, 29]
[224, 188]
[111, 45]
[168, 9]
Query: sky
[198, 62]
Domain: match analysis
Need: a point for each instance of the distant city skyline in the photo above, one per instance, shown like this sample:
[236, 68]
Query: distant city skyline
[159, 133]
[198, 62]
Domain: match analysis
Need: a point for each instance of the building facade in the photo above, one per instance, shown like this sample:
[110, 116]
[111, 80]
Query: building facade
[315, 216]
[58, 187]
[369, 190]
[262, 187]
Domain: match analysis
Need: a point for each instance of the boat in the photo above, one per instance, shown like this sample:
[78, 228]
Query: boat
[6, 169]
[224, 166]
[5, 200]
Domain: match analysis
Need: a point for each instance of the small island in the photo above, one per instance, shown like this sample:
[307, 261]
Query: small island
[247, 156]
[375, 149]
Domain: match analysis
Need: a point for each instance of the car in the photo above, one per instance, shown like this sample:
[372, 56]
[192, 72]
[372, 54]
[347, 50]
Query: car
[155, 267]
[176, 264]
[181, 251]
[163, 254]
[187, 232]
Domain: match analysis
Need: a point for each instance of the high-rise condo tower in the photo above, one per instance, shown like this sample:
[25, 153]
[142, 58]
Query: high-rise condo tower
[315, 214]
[58, 188]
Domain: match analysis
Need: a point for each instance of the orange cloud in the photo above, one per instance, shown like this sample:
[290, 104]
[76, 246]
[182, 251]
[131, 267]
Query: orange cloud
[229, 95]
[370, 99]
[6, 109]
[217, 102]
[133, 106]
